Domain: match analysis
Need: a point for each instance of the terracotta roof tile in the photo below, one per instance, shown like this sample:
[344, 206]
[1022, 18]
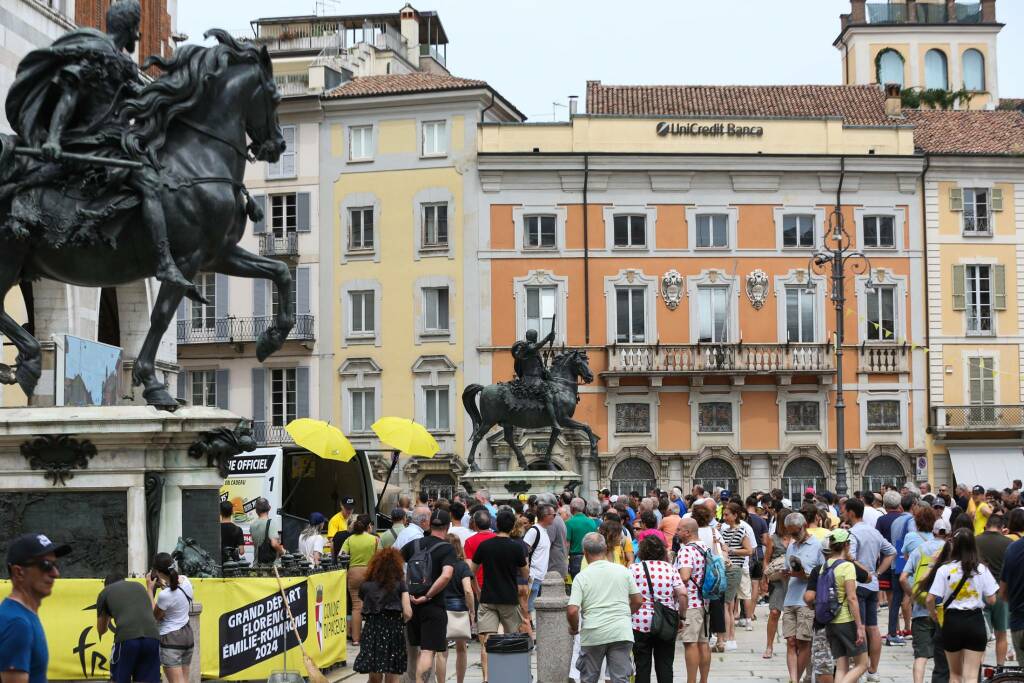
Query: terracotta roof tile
[856, 105]
[400, 84]
[1011, 103]
[968, 132]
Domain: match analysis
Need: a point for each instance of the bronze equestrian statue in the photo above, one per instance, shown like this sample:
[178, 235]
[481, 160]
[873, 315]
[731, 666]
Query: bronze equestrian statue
[523, 403]
[96, 152]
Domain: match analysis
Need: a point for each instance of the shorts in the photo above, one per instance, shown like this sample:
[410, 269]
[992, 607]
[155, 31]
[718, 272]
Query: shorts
[137, 659]
[822, 661]
[798, 622]
[428, 627]
[173, 657]
[999, 615]
[776, 595]
[732, 587]
[964, 630]
[490, 616]
[695, 625]
[842, 640]
[716, 615]
[745, 586]
[922, 631]
[885, 581]
[868, 601]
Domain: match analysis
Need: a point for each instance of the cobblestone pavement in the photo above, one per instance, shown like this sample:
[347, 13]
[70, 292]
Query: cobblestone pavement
[745, 664]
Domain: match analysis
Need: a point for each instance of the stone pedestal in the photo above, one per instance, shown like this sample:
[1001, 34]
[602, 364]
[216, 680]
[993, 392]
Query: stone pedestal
[504, 485]
[554, 644]
[117, 483]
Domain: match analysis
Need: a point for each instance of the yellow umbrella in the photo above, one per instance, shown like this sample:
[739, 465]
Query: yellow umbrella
[321, 438]
[406, 436]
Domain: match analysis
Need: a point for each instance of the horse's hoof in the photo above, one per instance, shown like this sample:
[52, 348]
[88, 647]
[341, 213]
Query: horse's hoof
[160, 399]
[270, 341]
[8, 375]
[27, 374]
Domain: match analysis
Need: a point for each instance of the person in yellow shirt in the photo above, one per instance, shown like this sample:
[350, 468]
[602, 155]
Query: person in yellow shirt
[982, 509]
[339, 522]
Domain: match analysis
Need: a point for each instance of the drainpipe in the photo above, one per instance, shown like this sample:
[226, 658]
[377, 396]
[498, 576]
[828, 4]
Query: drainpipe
[487, 108]
[586, 250]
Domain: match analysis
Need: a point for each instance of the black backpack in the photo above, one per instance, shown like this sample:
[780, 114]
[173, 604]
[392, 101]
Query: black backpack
[419, 572]
[265, 553]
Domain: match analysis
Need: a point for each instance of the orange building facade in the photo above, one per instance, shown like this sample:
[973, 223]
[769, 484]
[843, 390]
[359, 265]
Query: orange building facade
[677, 251]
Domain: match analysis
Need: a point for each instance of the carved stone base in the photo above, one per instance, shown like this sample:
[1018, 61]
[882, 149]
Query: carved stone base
[507, 485]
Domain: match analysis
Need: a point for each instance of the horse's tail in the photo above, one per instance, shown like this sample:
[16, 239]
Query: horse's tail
[469, 401]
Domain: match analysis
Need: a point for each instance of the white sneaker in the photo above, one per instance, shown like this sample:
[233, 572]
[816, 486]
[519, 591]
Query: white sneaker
[730, 645]
[872, 677]
[741, 622]
[748, 626]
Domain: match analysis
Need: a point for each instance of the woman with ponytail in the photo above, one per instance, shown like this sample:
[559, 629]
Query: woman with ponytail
[171, 608]
[360, 546]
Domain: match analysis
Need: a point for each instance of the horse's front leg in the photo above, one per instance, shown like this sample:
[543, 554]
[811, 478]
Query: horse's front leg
[241, 263]
[144, 372]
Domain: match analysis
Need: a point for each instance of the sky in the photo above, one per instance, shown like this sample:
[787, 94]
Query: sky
[538, 52]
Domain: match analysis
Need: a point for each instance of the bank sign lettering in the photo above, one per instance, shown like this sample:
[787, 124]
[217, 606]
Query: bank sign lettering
[714, 130]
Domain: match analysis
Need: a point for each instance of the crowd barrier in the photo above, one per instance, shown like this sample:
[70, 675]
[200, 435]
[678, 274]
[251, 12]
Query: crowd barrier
[244, 631]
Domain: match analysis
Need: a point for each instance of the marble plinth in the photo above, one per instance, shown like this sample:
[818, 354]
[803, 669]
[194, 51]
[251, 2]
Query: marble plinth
[505, 484]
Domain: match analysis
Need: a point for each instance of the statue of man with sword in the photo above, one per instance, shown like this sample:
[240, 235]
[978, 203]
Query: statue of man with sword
[531, 370]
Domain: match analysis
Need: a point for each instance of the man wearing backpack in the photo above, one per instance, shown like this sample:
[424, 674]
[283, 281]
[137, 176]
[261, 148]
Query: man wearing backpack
[802, 556]
[429, 565]
[870, 548]
[923, 630]
[266, 536]
[691, 561]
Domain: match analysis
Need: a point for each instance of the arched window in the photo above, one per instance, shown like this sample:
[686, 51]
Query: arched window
[884, 469]
[936, 70]
[542, 466]
[716, 472]
[632, 474]
[974, 70]
[890, 67]
[800, 474]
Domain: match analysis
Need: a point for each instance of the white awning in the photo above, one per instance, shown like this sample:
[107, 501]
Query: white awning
[992, 467]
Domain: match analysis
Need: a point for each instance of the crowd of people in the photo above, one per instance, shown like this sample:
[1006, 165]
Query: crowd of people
[642, 574]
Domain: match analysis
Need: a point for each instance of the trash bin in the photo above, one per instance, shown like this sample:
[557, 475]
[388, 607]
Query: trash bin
[508, 658]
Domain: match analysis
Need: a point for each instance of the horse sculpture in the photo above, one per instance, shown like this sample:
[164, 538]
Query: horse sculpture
[205, 105]
[500, 404]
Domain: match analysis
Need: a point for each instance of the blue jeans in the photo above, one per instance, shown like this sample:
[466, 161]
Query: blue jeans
[534, 592]
[894, 607]
[136, 660]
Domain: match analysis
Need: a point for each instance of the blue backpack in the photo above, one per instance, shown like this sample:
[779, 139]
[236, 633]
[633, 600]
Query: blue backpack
[826, 595]
[713, 585]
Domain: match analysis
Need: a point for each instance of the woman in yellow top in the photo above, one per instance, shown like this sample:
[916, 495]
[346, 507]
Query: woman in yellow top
[360, 546]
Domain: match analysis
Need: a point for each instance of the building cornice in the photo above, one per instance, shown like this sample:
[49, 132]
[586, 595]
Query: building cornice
[925, 29]
[415, 100]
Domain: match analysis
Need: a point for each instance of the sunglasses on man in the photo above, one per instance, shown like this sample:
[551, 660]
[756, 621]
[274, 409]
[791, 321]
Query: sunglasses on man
[45, 566]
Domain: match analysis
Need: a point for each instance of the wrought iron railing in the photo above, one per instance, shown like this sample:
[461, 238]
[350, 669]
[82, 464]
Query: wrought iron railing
[292, 84]
[267, 434]
[724, 358]
[889, 359]
[233, 329]
[977, 417]
[270, 245]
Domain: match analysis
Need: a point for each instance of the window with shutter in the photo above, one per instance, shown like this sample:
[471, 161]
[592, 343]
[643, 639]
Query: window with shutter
[283, 214]
[976, 205]
[881, 313]
[959, 303]
[999, 287]
[997, 199]
[285, 166]
[283, 396]
[956, 199]
[981, 380]
[979, 299]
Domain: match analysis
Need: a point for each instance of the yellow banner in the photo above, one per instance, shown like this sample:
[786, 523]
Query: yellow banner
[244, 630]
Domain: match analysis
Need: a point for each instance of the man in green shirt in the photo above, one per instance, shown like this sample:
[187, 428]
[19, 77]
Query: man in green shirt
[578, 526]
[136, 654]
[605, 594]
[388, 538]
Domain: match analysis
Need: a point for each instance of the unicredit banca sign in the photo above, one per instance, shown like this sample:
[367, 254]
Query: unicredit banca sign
[704, 130]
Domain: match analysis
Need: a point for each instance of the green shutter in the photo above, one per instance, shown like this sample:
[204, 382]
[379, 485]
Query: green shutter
[956, 199]
[959, 278]
[997, 199]
[999, 287]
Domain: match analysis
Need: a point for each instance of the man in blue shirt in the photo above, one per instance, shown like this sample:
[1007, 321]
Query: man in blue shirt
[1011, 589]
[32, 566]
[802, 556]
[876, 554]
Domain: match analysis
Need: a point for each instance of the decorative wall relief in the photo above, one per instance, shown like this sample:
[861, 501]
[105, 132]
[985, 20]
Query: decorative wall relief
[757, 288]
[672, 289]
[57, 455]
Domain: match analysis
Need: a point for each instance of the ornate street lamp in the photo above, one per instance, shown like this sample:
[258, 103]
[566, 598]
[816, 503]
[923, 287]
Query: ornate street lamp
[836, 251]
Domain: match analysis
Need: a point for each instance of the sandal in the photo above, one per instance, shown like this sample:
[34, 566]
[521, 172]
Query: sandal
[768, 654]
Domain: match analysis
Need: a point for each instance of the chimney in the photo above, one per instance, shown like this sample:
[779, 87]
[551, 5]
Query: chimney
[988, 11]
[573, 105]
[893, 101]
[411, 32]
[858, 14]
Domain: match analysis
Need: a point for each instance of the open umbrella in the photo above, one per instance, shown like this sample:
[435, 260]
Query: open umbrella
[321, 438]
[406, 436]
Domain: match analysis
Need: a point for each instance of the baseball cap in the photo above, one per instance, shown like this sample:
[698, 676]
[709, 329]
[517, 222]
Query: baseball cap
[939, 502]
[614, 499]
[839, 536]
[605, 492]
[348, 502]
[978, 489]
[810, 490]
[316, 518]
[941, 525]
[725, 495]
[787, 503]
[28, 547]
[440, 518]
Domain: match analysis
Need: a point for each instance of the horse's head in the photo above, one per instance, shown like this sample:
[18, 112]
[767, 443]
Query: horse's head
[574, 363]
[261, 123]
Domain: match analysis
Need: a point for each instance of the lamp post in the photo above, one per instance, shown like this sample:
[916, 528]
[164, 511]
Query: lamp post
[838, 255]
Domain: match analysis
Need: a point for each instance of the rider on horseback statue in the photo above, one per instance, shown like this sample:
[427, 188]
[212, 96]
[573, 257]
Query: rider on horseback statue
[67, 99]
[531, 371]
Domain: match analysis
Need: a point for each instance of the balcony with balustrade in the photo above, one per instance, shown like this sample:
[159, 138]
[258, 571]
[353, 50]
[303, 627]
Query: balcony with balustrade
[918, 12]
[887, 359]
[232, 330]
[730, 360]
[967, 421]
[284, 246]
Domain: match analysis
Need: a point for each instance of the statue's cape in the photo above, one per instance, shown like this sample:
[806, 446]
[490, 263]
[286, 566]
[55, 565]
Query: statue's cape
[37, 88]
